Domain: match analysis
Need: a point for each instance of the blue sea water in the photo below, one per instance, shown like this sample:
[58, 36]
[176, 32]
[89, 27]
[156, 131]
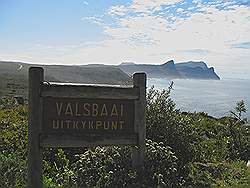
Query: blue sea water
[215, 97]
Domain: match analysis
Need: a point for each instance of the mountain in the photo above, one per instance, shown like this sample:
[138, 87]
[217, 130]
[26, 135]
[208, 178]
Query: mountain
[171, 70]
[166, 70]
[196, 70]
[14, 76]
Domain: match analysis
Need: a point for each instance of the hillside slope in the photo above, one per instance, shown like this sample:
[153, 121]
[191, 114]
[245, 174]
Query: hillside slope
[171, 70]
[196, 70]
[14, 76]
[156, 71]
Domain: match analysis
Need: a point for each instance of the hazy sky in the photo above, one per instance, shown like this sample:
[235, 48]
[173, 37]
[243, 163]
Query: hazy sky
[114, 31]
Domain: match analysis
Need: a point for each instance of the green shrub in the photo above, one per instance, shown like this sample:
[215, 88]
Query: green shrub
[7, 103]
[183, 149]
[13, 143]
[164, 123]
[161, 166]
[238, 138]
[111, 167]
[14, 129]
[220, 174]
[13, 171]
[206, 136]
[57, 170]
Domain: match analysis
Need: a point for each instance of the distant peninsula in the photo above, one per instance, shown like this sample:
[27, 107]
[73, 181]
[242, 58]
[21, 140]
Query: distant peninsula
[14, 75]
[171, 70]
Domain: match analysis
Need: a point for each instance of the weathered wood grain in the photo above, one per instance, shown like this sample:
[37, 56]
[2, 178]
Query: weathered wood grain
[59, 94]
[89, 91]
[36, 76]
[138, 152]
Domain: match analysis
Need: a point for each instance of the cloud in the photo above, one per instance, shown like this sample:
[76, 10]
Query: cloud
[207, 27]
[244, 2]
[180, 10]
[146, 6]
[243, 45]
[197, 51]
[94, 19]
[153, 31]
[85, 3]
[119, 10]
[141, 6]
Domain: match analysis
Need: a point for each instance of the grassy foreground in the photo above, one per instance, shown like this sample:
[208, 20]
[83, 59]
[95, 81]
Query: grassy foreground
[182, 150]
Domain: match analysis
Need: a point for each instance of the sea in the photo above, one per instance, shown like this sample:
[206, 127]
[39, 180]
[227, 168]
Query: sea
[215, 97]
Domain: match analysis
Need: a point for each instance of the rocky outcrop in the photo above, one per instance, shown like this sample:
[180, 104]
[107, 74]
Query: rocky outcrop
[184, 70]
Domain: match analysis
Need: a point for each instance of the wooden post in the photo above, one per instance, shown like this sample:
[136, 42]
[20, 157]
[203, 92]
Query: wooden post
[36, 76]
[138, 153]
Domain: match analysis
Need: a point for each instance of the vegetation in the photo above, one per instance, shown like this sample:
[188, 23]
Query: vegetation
[182, 150]
[14, 76]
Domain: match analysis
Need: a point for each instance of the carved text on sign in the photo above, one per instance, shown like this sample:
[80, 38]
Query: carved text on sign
[88, 115]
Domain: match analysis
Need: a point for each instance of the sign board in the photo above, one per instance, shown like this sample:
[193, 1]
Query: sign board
[88, 116]
[78, 115]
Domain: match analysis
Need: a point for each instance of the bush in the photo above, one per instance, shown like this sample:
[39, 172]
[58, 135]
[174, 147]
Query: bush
[220, 174]
[7, 103]
[13, 171]
[57, 169]
[206, 136]
[111, 167]
[183, 149]
[13, 144]
[166, 124]
[14, 129]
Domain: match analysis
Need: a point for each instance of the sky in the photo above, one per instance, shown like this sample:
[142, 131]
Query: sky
[115, 31]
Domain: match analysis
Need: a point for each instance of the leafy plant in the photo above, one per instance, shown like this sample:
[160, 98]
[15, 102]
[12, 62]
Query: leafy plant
[182, 149]
[111, 167]
[57, 170]
[219, 174]
[239, 109]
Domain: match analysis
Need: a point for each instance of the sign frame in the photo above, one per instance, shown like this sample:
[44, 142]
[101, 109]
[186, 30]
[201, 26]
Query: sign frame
[37, 139]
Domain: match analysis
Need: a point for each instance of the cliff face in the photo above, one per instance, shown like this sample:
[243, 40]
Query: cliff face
[167, 69]
[196, 70]
[184, 70]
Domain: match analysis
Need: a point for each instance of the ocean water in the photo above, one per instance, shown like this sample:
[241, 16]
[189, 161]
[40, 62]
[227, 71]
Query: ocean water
[215, 97]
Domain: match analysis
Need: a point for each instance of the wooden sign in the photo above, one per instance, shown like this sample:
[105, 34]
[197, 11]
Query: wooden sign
[88, 116]
[78, 115]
